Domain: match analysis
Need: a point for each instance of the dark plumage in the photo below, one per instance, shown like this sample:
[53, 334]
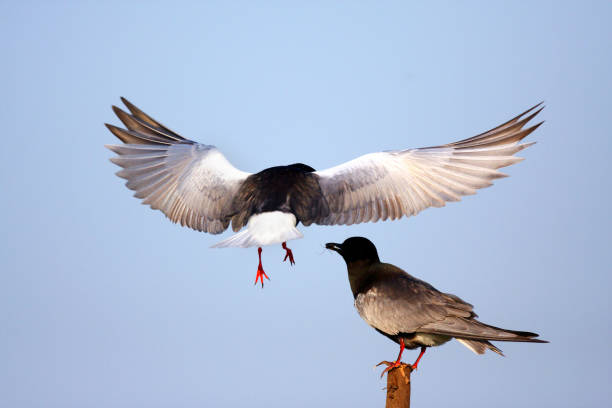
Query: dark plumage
[291, 189]
[195, 185]
[410, 311]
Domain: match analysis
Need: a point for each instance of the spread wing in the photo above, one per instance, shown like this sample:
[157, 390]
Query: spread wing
[404, 182]
[191, 183]
[404, 304]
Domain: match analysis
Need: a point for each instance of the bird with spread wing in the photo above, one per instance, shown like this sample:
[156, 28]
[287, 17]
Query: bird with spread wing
[195, 185]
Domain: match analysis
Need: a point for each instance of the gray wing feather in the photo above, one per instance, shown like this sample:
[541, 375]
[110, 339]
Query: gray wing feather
[191, 183]
[393, 184]
[470, 329]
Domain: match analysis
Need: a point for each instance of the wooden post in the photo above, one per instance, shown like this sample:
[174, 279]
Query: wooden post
[398, 387]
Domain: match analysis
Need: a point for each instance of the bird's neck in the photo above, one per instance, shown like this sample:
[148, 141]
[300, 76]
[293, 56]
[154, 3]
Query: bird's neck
[358, 275]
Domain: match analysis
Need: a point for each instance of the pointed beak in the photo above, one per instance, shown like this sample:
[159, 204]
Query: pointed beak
[333, 246]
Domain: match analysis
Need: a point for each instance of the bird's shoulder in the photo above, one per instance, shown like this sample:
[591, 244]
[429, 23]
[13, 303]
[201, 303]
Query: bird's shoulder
[392, 281]
[389, 289]
[396, 301]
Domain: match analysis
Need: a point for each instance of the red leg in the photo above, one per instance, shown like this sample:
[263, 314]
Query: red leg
[260, 272]
[416, 363]
[397, 362]
[288, 255]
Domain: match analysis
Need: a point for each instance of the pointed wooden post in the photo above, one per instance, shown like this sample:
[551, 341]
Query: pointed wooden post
[398, 387]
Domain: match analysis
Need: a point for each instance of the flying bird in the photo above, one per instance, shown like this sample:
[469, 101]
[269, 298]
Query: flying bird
[195, 185]
[410, 311]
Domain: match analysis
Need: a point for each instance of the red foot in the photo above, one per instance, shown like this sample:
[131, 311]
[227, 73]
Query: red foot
[289, 254]
[398, 363]
[389, 365]
[260, 275]
[260, 272]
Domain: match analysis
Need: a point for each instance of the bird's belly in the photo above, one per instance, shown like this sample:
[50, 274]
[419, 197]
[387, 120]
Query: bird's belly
[425, 339]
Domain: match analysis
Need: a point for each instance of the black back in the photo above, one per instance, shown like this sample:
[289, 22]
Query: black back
[293, 188]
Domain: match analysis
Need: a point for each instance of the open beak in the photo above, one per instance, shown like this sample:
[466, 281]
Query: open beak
[333, 246]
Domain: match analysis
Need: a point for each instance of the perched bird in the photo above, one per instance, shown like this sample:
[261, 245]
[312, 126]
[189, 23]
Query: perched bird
[410, 311]
[195, 185]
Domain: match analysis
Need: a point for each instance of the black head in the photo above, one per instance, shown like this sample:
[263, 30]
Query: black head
[355, 249]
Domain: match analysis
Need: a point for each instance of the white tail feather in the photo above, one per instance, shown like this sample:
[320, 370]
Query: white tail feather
[479, 346]
[476, 347]
[264, 229]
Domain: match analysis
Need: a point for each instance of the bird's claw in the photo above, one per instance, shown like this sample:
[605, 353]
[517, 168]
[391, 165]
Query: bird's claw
[289, 254]
[391, 365]
[260, 275]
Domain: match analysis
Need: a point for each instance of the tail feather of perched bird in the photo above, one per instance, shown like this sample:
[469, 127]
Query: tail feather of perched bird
[410, 311]
[195, 185]
[479, 346]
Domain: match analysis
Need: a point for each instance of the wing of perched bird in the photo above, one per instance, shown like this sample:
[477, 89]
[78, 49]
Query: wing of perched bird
[392, 184]
[410, 311]
[397, 302]
[191, 183]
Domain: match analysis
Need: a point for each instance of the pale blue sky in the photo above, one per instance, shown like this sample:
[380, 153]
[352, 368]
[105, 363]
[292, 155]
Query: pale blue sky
[104, 303]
